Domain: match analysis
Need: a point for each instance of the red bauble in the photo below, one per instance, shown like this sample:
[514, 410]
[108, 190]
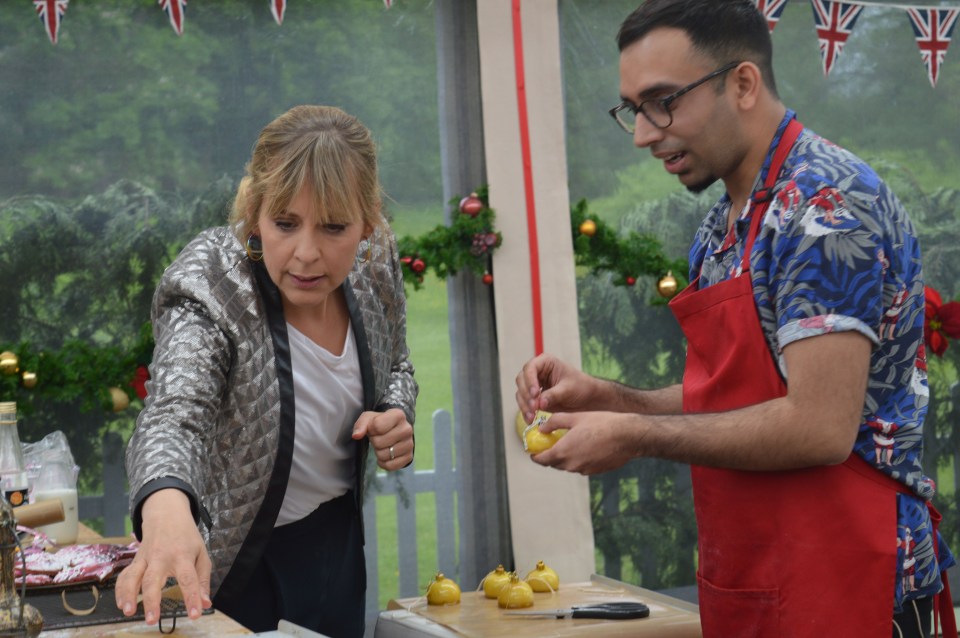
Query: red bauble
[406, 259]
[418, 266]
[631, 281]
[471, 205]
[487, 278]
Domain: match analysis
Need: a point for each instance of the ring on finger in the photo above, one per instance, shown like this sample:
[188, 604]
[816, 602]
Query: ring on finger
[391, 453]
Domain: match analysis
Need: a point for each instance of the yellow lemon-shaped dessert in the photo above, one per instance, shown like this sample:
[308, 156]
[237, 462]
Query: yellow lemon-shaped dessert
[515, 594]
[443, 591]
[494, 581]
[533, 439]
[542, 578]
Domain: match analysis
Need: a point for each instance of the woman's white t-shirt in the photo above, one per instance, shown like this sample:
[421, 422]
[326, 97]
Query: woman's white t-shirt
[328, 393]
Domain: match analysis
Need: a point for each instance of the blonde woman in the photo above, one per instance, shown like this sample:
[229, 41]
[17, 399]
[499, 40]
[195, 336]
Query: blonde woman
[280, 363]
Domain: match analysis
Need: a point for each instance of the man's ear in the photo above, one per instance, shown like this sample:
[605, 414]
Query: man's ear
[748, 84]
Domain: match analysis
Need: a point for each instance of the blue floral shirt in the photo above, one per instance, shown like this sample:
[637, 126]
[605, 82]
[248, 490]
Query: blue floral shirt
[836, 252]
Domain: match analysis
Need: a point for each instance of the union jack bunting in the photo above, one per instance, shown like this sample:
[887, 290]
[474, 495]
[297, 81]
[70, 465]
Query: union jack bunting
[277, 8]
[771, 10]
[834, 22]
[174, 9]
[933, 28]
[51, 13]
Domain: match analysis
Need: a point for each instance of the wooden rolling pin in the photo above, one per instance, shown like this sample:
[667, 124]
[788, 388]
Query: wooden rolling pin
[42, 513]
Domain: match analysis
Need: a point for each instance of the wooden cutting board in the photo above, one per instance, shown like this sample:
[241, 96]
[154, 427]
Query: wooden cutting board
[479, 617]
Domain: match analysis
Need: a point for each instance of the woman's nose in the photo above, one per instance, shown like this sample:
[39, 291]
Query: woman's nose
[309, 248]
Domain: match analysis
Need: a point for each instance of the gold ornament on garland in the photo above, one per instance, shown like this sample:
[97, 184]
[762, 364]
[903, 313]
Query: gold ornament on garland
[29, 379]
[588, 228]
[119, 398]
[9, 363]
[667, 286]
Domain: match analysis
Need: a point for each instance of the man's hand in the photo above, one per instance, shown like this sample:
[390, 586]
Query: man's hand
[547, 383]
[596, 442]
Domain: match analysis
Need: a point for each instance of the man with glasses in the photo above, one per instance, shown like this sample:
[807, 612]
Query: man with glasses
[802, 526]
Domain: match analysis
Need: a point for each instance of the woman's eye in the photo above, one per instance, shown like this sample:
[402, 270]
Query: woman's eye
[283, 224]
[335, 228]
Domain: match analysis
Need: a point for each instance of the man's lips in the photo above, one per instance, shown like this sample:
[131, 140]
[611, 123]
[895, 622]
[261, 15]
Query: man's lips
[672, 162]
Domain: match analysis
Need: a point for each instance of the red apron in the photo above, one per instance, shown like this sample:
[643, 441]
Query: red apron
[786, 553]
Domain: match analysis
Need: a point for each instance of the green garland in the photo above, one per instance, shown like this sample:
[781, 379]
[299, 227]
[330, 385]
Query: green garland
[466, 244]
[77, 371]
[109, 377]
[600, 248]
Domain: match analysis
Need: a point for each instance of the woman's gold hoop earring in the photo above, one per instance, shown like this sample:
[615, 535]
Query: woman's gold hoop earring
[254, 248]
[365, 249]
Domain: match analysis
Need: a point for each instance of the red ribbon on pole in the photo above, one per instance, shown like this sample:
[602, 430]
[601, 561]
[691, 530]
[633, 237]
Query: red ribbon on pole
[533, 245]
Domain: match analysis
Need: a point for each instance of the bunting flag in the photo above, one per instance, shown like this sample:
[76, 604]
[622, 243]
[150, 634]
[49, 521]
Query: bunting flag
[51, 13]
[834, 22]
[277, 8]
[933, 28]
[174, 9]
[771, 10]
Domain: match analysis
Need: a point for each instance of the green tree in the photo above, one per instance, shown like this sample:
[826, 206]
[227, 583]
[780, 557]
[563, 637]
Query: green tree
[85, 273]
[122, 96]
[877, 98]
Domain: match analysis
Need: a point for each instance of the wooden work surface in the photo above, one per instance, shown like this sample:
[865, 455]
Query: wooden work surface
[215, 624]
[480, 617]
[208, 625]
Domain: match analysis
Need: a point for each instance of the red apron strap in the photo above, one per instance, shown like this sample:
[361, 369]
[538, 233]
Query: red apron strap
[761, 198]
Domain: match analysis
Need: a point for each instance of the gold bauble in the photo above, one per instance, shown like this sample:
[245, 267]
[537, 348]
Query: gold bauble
[120, 399]
[542, 578]
[534, 441]
[667, 286]
[494, 582]
[588, 228]
[9, 363]
[443, 591]
[29, 379]
[515, 595]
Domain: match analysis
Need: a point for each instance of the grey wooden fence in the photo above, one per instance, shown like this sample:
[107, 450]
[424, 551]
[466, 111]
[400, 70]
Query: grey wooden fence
[403, 486]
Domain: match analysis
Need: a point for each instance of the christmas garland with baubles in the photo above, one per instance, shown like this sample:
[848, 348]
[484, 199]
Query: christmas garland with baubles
[111, 377]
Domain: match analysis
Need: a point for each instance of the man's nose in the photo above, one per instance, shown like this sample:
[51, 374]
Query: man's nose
[645, 133]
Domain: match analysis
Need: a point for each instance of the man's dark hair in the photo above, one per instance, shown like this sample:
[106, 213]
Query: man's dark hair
[723, 30]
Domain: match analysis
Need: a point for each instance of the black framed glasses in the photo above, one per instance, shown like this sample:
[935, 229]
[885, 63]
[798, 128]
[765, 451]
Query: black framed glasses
[659, 110]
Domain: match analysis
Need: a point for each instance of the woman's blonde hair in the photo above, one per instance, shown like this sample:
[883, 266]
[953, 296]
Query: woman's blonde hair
[317, 145]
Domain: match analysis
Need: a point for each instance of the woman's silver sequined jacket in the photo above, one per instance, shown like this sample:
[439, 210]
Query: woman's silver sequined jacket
[218, 421]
